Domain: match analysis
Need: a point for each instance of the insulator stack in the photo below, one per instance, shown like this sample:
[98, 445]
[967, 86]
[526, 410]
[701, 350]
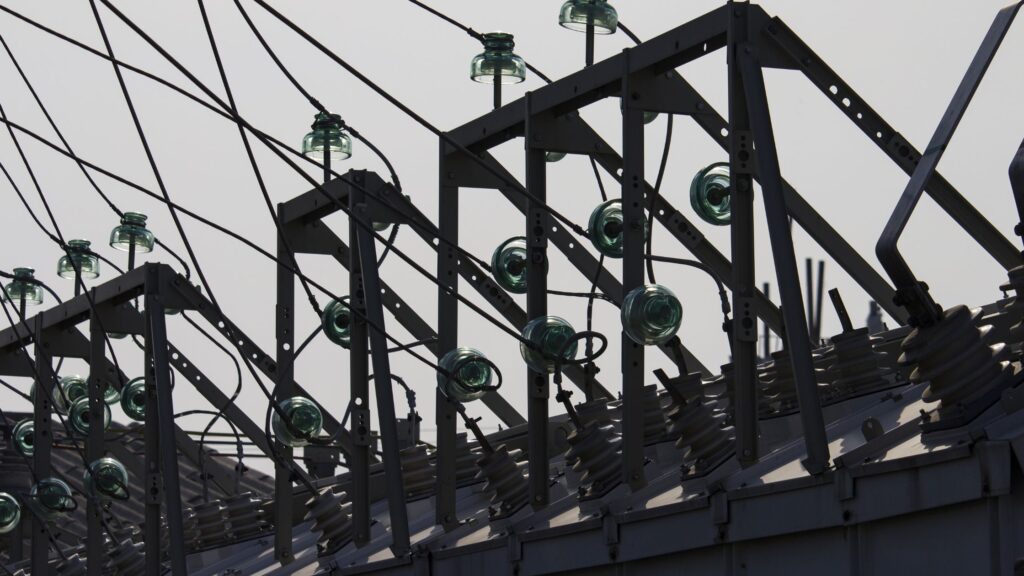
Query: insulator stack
[1015, 308]
[126, 558]
[778, 385]
[700, 431]
[74, 565]
[210, 523]
[504, 481]
[655, 426]
[245, 515]
[332, 518]
[722, 391]
[852, 366]
[417, 471]
[964, 373]
[598, 461]
[594, 412]
[465, 460]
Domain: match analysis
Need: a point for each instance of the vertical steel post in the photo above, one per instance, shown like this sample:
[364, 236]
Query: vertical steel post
[447, 339]
[537, 223]
[385, 396]
[741, 156]
[153, 484]
[634, 222]
[95, 556]
[797, 338]
[164, 415]
[285, 327]
[359, 373]
[43, 438]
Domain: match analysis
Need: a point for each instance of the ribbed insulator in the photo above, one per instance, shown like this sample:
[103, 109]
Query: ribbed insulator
[245, 515]
[701, 432]
[126, 558]
[778, 386]
[1015, 307]
[465, 460]
[211, 523]
[721, 391]
[332, 518]
[504, 481]
[952, 355]
[74, 565]
[418, 473]
[852, 366]
[594, 412]
[654, 416]
[595, 451]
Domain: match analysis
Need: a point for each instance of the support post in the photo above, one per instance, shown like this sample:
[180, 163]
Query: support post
[634, 222]
[447, 339]
[797, 337]
[43, 439]
[359, 373]
[285, 353]
[744, 348]
[537, 383]
[153, 483]
[95, 556]
[157, 334]
[383, 389]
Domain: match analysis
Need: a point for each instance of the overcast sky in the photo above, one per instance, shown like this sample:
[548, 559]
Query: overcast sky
[905, 58]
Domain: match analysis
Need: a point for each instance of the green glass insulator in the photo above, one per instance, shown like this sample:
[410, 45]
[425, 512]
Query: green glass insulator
[72, 388]
[508, 264]
[337, 321]
[577, 14]
[380, 226]
[548, 334]
[651, 314]
[133, 399]
[305, 418]
[498, 62]
[550, 156]
[117, 335]
[81, 419]
[78, 255]
[107, 478]
[327, 134]
[132, 231]
[472, 374]
[650, 117]
[53, 496]
[606, 228]
[111, 395]
[10, 512]
[24, 435]
[24, 287]
[709, 194]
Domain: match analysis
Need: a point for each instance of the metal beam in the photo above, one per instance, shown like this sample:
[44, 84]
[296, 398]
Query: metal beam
[284, 321]
[445, 417]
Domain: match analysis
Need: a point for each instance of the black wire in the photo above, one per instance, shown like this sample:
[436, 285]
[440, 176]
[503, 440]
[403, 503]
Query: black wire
[653, 204]
[412, 114]
[166, 195]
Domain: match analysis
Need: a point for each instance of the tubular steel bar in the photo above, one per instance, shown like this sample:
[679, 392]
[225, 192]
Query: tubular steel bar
[95, 557]
[744, 348]
[633, 241]
[43, 440]
[797, 337]
[447, 339]
[891, 142]
[383, 387]
[537, 226]
[157, 334]
[914, 294]
[359, 387]
[285, 352]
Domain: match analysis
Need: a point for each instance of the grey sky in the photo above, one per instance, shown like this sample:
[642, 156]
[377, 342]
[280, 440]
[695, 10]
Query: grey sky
[905, 58]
